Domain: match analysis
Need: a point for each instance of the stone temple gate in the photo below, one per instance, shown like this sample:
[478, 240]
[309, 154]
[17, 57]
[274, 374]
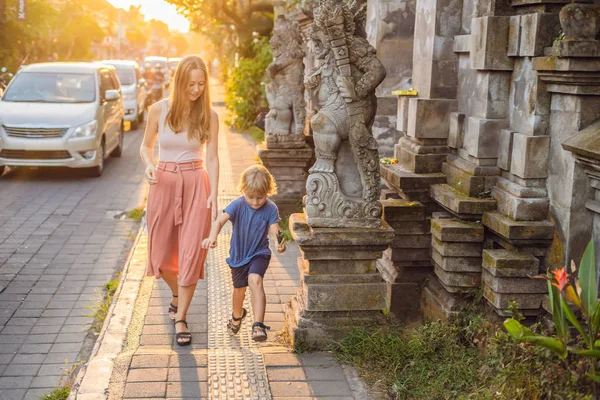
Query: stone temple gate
[489, 114]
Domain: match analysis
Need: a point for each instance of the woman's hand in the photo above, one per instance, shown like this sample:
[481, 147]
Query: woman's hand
[209, 243]
[150, 174]
[281, 248]
[212, 203]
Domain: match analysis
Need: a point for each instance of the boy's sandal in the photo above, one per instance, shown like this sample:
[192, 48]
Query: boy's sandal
[259, 331]
[183, 335]
[172, 309]
[233, 328]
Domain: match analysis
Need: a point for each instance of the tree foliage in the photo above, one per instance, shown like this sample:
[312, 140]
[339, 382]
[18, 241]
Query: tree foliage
[239, 17]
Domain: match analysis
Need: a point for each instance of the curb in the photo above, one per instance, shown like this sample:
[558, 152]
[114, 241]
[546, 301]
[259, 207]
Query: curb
[93, 379]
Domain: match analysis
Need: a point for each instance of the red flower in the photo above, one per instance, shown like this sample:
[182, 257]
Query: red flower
[561, 278]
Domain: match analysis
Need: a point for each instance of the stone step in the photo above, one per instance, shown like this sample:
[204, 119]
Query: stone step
[457, 249]
[501, 301]
[411, 241]
[466, 183]
[396, 254]
[521, 209]
[402, 210]
[515, 285]
[456, 264]
[438, 303]
[458, 282]
[509, 263]
[453, 230]
[402, 179]
[518, 230]
[463, 206]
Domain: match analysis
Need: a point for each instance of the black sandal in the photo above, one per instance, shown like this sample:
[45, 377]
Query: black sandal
[233, 328]
[183, 335]
[172, 309]
[259, 331]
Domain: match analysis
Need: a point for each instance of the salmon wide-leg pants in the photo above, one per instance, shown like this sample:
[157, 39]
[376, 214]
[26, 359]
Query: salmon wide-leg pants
[178, 220]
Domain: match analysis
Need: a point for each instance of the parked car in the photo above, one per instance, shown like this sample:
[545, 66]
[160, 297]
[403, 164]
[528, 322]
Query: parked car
[134, 89]
[62, 115]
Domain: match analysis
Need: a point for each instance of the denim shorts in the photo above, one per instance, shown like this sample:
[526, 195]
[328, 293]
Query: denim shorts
[258, 265]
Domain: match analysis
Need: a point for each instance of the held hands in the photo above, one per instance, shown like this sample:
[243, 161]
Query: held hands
[280, 242]
[209, 243]
[150, 174]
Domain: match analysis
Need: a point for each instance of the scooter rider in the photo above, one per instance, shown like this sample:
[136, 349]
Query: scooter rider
[158, 83]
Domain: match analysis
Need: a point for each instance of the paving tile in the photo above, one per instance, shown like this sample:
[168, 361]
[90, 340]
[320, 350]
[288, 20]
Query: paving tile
[281, 359]
[36, 394]
[15, 382]
[187, 389]
[312, 359]
[330, 388]
[12, 394]
[188, 360]
[145, 389]
[188, 374]
[290, 389]
[21, 370]
[147, 375]
[285, 374]
[325, 373]
[51, 369]
[45, 381]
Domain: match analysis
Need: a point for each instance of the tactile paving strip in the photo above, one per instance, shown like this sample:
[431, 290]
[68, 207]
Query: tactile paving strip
[235, 364]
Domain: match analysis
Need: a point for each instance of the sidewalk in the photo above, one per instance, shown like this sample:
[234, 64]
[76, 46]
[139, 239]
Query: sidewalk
[137, 356]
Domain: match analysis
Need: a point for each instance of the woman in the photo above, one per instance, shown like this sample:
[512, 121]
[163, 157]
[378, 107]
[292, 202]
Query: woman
[183, 195]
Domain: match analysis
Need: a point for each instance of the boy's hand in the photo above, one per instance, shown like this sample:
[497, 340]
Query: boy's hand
[209, 243]
[281, 248]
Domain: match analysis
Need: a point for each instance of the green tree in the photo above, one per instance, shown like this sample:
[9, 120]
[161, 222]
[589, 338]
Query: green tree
[246, 17]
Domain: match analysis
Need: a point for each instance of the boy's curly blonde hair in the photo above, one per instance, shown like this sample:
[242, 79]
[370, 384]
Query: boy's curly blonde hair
[257, 181]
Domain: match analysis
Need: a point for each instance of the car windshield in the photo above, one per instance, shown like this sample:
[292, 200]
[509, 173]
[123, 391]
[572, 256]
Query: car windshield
[154, 61]
[173, 64]
[126, 76]
[52, 87]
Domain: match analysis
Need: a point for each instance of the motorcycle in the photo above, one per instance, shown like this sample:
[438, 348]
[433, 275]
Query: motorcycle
[5, 78]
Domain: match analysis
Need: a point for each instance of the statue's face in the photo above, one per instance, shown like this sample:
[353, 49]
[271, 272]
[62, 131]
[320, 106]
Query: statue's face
[277, 47]
[320, 43]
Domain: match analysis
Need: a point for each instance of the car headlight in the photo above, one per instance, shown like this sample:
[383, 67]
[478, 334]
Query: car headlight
[86, 130]
[128, 96]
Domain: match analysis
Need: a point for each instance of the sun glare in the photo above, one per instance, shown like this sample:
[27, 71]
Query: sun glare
[157, 9]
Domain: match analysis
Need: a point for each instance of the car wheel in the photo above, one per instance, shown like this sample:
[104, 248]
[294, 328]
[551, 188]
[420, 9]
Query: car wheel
[99, 169]
[2, 168]
[118, 151]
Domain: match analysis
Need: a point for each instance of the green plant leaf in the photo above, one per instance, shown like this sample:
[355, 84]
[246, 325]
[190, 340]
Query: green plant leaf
[594, 377]
[587, 353]
[524, 334]
[573, 319]
[587, 279]
[595, 319]
[558, 314]
[597, 344]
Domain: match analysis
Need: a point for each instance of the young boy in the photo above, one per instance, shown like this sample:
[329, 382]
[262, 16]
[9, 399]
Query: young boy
[253, 216]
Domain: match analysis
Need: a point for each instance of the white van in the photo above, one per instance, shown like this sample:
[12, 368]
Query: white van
[133, 88]
[62, 115]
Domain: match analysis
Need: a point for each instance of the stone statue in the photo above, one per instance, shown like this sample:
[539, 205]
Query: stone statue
[343, 185]
[284, 124]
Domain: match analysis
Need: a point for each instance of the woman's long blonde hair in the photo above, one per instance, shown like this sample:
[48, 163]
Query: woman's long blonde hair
[199, 112]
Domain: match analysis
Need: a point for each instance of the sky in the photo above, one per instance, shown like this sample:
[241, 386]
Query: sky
[157, 9]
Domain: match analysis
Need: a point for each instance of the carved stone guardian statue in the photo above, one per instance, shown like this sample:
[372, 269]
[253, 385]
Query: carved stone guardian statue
[343, 185]
[284, 124]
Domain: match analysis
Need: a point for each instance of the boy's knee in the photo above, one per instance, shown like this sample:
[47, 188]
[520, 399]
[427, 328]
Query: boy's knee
[239, 290]
[254, 280]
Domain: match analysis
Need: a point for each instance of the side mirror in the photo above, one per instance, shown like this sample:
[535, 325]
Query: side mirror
[111, 95]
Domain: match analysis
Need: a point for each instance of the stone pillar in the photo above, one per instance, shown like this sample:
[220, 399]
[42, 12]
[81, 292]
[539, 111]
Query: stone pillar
[341, 233]
[390, 29]
[339, 283]
[572, 77]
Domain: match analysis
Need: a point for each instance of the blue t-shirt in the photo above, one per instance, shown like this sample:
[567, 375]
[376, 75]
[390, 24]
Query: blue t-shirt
[250, 237]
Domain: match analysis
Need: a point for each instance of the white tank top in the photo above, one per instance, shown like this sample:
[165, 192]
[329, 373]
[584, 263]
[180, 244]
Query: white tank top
[175, 147]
